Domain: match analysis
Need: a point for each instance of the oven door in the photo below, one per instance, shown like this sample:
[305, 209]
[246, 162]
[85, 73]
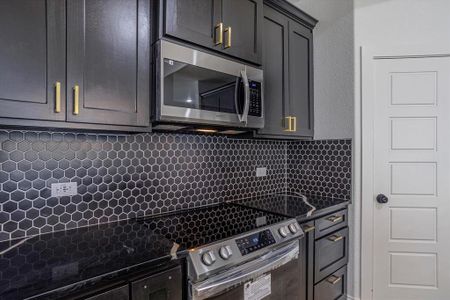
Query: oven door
[195, 87]
[275, 275]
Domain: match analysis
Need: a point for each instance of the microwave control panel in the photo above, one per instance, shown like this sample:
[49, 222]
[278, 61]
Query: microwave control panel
[255, 108]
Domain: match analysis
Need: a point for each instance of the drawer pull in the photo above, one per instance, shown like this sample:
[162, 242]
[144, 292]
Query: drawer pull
[335, 219]
[335, 238]
[308, 228]
[333, 279]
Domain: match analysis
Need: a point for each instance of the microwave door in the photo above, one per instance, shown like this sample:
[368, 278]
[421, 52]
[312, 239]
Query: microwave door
[242, 100]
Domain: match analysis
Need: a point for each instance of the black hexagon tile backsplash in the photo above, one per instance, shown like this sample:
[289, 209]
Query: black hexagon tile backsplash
[125, 176]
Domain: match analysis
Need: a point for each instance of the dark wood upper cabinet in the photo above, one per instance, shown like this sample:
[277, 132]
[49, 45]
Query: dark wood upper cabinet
[108, 61]
[192, 20]
[228, 26]
[242, 34]
[301, 79]
[288, 73]
[32, 59]
[275, 61]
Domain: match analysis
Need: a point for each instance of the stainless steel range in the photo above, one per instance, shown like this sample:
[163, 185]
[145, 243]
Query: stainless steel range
[261, 263]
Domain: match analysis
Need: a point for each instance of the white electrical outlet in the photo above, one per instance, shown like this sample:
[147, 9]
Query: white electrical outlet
[64, 189]
[261, 172]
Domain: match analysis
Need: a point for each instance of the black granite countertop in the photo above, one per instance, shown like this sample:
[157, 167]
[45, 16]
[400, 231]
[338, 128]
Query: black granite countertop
[58, 264]
[292, 205]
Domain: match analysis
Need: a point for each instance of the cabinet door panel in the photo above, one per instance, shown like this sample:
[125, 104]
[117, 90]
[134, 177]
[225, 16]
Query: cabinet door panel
[192, 20]
[244, 17]
[301, 78]
[32, 58]
[275, 62]
[108, 58]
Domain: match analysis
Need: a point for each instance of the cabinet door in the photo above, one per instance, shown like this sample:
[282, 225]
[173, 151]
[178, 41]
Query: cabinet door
[244, 18]
[309, 229]
[120, 293]
[166, 285]
[301, 79]
[193, 20]
[275, 62]
[32, 59]
[108, 60]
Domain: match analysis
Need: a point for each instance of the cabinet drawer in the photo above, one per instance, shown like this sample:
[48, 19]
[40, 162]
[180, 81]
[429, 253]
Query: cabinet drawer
[334, 287]
[330, 223]
[331, 253]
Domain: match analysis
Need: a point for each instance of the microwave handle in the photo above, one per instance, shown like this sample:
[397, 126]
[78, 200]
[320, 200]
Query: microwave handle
[243, 118]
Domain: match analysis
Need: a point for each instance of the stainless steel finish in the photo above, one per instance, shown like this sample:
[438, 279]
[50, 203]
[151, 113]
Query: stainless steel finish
[225, 252]
[240, 274]
[197, 270]
[208, 258]
[283, 231]
[167, 113]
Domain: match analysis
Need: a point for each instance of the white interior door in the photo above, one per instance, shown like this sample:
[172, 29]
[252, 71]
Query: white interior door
[411, 167]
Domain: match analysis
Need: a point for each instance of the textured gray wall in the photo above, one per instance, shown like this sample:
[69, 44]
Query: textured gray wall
[333, 66]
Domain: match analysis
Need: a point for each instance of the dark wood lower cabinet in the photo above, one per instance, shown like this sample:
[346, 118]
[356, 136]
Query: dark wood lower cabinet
[334, 287]
[120, 293]
[326, 245]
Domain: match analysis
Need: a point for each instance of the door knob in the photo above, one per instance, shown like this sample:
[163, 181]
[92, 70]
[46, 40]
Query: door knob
[382, 199]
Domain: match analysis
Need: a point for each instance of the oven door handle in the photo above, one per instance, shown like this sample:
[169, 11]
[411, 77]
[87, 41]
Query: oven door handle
[253, 269]
[243, 118]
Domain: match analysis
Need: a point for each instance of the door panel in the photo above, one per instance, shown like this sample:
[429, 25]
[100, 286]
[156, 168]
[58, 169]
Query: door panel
[120, 293]
[108, 58]
[412, 168]
[244, 17]
[300, 78]
[193, 20]
[275, 62]
[32, 58]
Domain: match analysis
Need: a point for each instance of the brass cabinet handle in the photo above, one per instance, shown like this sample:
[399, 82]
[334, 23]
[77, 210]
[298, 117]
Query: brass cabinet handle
[57, 97]
[333, 279]
[289, 122]
[335, 238]
[218, 34]
[76, 100]
[294, 121]
[308, 228]
[335, 219]
[228, 31]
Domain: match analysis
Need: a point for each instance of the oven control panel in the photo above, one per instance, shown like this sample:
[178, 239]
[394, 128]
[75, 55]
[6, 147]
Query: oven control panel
[254, 242]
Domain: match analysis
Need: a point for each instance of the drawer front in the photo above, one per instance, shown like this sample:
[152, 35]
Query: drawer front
[333, 287]
[330, 223]
[330, 254]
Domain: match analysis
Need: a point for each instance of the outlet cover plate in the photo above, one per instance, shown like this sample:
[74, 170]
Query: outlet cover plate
[64, 189]
[261, 172]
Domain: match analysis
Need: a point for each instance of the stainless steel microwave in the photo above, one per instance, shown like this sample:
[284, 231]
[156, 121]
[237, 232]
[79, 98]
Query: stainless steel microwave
[196, 87]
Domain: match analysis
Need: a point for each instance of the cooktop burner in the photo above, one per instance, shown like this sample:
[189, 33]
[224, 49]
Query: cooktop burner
[202, 226]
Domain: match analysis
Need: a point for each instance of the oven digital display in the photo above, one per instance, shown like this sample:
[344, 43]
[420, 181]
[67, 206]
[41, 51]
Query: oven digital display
[254, 242]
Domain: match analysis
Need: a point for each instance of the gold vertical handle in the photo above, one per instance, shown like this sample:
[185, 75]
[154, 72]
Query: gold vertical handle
[218, 34]
[288, 121]
[294, 122]
[228, 43]
[57, 97]
[76, 100]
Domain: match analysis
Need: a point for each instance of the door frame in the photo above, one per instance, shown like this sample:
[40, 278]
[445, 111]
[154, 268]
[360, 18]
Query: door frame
[365, 138]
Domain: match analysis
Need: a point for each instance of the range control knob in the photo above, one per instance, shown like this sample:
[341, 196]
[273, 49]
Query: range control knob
[208, 258]
[225, 252]
[283, 231]
[293, 228]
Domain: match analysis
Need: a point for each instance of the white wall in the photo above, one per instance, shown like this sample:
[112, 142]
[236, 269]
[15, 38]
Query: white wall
[387, 23]
[333, 66]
